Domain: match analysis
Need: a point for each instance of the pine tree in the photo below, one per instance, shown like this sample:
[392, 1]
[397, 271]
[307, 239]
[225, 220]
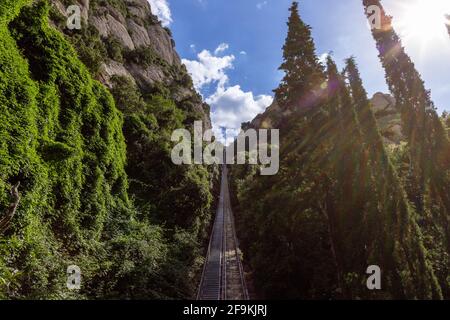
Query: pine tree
[303, 72]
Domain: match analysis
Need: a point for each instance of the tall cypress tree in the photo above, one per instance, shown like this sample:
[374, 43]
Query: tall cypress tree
[339, 173]
[344, 167]
[428, 183]
[408, 89]
[393, 236]
[337, 204]
[303, 72]
[369, 215]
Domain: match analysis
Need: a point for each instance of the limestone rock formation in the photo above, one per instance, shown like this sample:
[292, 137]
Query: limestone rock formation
[384, 108]
[132, 24]
[388, 117]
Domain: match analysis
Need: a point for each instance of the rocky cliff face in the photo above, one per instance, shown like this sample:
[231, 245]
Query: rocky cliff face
[388, 117]
[144, 50]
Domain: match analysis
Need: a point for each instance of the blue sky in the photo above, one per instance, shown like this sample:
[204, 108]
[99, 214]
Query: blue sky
[238, 78]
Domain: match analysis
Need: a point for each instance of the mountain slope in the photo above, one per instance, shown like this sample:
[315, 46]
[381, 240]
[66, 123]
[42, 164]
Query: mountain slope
[92, 166]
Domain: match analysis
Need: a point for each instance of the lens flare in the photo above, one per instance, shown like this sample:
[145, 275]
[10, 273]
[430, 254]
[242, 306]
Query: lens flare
[423, 22]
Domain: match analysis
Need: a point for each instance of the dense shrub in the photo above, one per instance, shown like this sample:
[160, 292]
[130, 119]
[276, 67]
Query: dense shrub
[98, 187]
[114, 49]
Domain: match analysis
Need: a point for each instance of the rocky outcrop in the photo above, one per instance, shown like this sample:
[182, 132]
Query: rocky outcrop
[139, 35]
[113, 68]
[388, 117]
[384, 108]
[265, 120]
[108, 26]
[132, 24]
[163, 43]
[270, 118]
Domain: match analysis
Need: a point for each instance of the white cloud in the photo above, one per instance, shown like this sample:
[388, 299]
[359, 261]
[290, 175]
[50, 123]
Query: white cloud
[323, 58]
[209, 69]
[221, 48]
[261, 5]
[230, 105]
[161, 9]
[244, 53]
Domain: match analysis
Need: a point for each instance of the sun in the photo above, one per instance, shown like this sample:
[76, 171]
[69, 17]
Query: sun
[424, 21]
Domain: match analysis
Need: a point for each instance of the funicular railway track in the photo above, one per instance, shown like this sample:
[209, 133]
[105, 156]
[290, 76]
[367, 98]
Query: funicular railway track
[223, 275]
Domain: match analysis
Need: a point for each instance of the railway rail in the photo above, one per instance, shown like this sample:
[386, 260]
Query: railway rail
[223, 276]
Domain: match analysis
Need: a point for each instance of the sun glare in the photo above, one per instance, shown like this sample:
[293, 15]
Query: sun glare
[423, 21]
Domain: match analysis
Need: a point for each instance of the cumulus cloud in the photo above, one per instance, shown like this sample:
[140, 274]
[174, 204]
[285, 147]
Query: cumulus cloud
[209, 69]
[161, 9]
[230, 105]
[323, 58]
[221, 48]
[244, 53]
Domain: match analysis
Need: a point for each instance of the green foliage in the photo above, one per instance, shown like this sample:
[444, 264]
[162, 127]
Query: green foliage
[57, 17]
[69, 153]
[118, 4]
[427, 172]
[64, 139]
[182, 193]
[144, 56]
[178, 197]
[303, 73]
[446, 121]
[55, 151]
[114, 49]
[90, 47]
[341, 201]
